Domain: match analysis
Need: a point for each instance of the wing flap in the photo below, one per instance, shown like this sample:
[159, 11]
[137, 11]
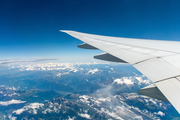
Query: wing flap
[173, 60]
[109, 57]
[86, 46]
[153, 92]
[171, 90]
[157, 69]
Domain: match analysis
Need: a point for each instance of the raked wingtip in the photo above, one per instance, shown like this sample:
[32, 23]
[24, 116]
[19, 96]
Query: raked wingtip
[66, 31]
[63, 30]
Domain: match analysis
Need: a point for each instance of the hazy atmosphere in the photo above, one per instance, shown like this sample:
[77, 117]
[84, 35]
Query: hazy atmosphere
[45, 76]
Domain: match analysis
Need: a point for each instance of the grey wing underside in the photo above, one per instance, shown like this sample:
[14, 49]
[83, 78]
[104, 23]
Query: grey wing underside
[158, 60]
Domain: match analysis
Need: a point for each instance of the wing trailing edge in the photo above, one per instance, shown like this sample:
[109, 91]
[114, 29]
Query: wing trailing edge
[87, 46]
[153, 92]
[109, 57]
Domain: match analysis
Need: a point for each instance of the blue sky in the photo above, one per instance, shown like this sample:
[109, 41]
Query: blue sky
[29, 29]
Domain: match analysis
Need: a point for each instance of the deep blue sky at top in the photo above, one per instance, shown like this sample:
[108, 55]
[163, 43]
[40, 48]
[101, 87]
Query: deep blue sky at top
[29, 28]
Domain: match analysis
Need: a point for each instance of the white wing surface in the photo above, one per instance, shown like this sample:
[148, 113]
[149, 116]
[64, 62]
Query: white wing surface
[158, 60]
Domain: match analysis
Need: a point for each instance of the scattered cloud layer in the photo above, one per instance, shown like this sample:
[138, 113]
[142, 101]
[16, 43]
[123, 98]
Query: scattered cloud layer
[123, 81]
[32, 108]
[104, 102]
[27, 61]
[93, 71]
[132, 80]
[53, 66]
[6, 103]
[69, 118]
[85, 116]
[159, 113]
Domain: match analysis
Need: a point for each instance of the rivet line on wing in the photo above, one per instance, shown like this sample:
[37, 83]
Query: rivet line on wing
[144, 60]
[167, 79]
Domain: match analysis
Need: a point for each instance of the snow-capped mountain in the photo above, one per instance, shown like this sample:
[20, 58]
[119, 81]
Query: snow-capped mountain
[77, 91]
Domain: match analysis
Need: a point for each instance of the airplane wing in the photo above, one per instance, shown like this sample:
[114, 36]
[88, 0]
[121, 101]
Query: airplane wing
[156, 59]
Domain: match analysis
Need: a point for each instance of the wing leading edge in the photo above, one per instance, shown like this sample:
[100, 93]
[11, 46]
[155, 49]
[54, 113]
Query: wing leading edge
[157, 60]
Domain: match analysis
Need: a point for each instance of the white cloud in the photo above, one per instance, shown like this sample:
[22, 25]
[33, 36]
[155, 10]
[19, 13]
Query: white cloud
[11, 117]
[124, 80]
[6, 103]
[105, 99]
[93, 71]
[85, 116]
[13, 88]
[69, 118]
[19, 111]
[46, 110]
[112, 114]
[115, 106]
[60, 74]
[50, 66]
[32, 108]
[131, 80]
[138, 118]
[160, 113]
[11, 94]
